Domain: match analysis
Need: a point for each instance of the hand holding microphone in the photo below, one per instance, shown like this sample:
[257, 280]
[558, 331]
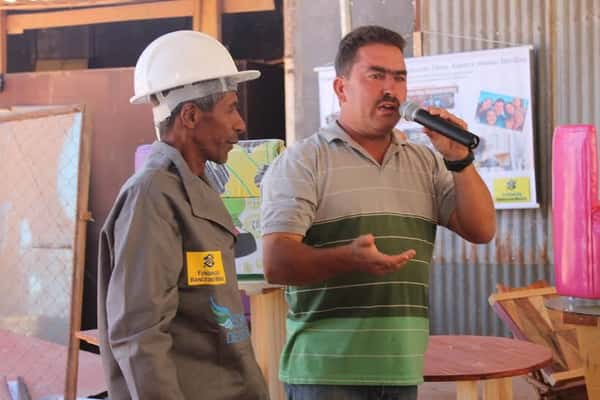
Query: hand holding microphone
[412, 112]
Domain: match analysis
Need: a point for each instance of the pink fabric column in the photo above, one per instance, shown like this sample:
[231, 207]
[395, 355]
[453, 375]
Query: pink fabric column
[575, 214]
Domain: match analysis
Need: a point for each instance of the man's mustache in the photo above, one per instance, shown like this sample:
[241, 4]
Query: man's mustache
[387, 98]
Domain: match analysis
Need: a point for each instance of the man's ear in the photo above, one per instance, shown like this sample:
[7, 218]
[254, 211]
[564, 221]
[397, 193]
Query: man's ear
[190, 115]
[339, 87]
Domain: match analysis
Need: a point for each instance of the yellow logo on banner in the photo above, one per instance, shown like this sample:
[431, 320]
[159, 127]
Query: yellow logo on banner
[205, 268]
[512, 190]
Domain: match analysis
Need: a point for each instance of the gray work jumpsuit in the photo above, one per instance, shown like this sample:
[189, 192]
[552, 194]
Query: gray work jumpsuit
[170, 316]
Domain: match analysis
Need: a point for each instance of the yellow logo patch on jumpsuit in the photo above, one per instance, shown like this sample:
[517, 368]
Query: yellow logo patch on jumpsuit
[205, 268]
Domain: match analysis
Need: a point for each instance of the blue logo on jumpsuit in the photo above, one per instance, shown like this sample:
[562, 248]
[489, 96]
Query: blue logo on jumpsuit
[235, 324]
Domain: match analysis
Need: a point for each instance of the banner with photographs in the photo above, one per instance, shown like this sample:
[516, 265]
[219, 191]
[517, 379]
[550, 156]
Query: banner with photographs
[491, 91]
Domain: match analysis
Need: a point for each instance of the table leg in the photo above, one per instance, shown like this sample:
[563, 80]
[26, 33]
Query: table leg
[268, 310]
[466, 390]
[498, 389]
[589, 348]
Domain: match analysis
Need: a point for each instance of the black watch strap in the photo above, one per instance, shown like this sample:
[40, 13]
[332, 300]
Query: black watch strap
[459, 165]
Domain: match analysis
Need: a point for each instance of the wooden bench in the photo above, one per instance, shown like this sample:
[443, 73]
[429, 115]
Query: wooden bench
[89, 336]
[524, 313]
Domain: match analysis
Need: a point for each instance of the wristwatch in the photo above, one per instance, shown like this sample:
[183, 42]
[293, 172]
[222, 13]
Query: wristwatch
[459, 165]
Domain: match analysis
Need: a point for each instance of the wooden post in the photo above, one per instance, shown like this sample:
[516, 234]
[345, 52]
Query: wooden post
[345, 17]
[207, 17]
[289, 27]
[268, 311]
[589, 348]
[83, 216]
[3, 50]
[466, 390]
[498, 389]
[587, 327]
[417, 44]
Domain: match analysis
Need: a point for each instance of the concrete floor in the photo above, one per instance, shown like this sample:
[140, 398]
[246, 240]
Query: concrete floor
[447, 391]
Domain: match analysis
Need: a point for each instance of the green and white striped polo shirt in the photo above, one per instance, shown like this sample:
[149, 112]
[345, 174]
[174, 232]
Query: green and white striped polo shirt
[358, 329]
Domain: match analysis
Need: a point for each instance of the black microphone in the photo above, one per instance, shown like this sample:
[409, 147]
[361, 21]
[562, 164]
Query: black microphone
[412, 112]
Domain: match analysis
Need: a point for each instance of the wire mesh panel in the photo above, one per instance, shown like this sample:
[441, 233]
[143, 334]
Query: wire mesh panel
[39, 163]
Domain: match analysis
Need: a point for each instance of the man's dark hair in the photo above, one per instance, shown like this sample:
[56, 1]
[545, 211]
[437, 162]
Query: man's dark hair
[360, 37]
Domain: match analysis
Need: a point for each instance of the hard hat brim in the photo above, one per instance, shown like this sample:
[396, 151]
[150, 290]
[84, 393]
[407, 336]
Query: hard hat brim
[238, 77]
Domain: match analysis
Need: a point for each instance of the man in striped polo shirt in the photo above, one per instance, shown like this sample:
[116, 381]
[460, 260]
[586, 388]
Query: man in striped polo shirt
[349, 218]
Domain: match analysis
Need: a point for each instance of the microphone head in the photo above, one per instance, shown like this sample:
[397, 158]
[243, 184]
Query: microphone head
[408, 110]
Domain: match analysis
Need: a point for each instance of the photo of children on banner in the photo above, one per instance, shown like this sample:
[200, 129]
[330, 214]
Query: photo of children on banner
[501, 110]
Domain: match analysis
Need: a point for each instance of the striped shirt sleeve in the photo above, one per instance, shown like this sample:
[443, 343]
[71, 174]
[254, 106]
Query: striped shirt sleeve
[289, 192]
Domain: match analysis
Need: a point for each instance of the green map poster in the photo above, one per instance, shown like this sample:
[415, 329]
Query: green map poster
[238, 182]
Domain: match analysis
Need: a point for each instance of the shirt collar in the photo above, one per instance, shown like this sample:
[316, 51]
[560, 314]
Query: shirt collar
[197, 189]
[333, 131]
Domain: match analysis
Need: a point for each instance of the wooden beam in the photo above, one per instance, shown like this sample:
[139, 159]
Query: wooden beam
[289, 74]
[207, 17]
[205, 13]
[3, 51]
[345, 17]
[417, 44]
[83, 189]
[90, 336]
[197, 15]
[239, 6]
[229, 6]
[48, 5]
[559, 377]
[18, 23]
[519, 294]
[26, 113]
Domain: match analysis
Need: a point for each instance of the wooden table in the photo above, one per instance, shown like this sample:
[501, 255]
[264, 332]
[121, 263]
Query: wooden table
[461, 359]
[493, 360]
[43, 366]
[268, 313]
[586, 320]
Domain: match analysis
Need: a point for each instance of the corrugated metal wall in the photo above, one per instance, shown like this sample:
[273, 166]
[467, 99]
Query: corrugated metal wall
[313, 33]
[566, 85]
[577, 55]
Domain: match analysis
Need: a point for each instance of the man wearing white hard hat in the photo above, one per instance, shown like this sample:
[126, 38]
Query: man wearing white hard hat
[170, 316]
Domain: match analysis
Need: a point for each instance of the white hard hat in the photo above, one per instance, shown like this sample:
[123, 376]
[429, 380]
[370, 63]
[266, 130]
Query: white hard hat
[183, 60]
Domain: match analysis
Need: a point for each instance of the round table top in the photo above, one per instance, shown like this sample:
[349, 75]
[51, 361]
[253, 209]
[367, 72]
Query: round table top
[469, 358]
